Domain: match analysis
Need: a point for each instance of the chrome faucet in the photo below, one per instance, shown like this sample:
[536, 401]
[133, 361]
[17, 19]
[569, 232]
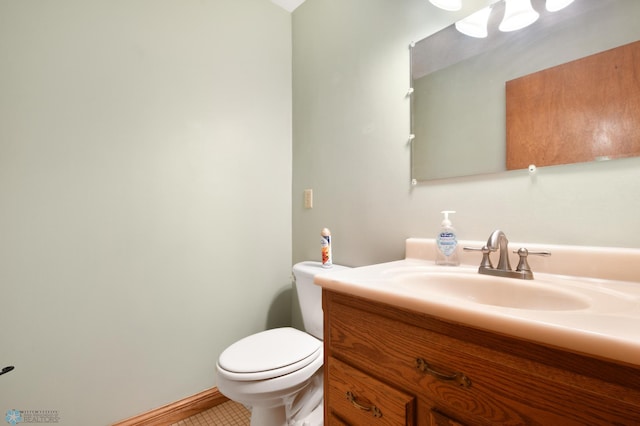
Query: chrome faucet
[498, 242]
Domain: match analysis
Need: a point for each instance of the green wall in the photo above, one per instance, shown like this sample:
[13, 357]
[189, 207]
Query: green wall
[351, 126]
[145, 193]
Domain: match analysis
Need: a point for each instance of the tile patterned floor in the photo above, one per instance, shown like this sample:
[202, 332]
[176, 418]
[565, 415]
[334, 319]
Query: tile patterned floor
[230, 413]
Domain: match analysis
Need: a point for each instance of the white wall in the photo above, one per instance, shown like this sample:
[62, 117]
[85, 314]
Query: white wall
[145, 197]
[351, 125]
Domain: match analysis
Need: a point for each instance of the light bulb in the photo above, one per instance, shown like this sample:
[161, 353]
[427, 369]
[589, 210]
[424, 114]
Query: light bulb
[475, 25]
[556, 5]
[450, 5]
[517, 15]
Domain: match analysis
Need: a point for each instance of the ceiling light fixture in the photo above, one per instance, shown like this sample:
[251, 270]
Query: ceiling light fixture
[556, 5]
[517, 15]
[450, 5]
[475, 25]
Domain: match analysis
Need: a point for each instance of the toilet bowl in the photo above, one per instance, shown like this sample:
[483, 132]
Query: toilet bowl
[277, 373]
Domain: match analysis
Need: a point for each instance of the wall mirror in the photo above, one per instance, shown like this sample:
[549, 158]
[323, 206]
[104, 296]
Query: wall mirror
[458, 115]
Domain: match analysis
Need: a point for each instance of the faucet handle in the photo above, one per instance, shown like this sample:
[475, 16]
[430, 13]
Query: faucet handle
[486, 261]
[523, 265]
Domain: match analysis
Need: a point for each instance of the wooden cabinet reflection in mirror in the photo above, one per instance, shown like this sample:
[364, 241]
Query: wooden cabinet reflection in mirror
[584, 110]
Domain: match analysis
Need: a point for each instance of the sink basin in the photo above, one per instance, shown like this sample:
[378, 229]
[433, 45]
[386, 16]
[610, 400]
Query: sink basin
[495, 291]
[583, 299]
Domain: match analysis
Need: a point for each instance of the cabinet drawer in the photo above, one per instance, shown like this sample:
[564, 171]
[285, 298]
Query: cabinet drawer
[335, 421]
[439, 419]
[479, 385]
[359, 399]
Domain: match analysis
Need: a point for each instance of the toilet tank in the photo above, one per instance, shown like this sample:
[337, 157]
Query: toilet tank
[310, 295]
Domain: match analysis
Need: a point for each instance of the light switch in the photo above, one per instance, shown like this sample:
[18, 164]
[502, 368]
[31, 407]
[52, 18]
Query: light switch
[308, 198]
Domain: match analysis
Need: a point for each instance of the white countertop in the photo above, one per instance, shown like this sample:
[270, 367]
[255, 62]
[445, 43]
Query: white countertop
[609, 327]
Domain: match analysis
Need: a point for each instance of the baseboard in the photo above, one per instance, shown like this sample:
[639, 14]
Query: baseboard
[176, 411]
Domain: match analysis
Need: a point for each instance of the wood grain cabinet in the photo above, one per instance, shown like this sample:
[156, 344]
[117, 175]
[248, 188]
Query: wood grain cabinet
[389, 366]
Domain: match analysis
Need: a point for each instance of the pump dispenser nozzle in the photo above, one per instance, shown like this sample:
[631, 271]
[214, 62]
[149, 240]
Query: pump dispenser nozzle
[446, 213]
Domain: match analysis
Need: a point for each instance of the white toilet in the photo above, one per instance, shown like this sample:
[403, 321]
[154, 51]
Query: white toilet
[278, 373]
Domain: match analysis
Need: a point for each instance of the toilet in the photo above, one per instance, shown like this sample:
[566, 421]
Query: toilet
[277, 373]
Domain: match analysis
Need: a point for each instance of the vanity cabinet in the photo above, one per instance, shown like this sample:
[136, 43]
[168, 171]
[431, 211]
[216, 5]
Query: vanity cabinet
[390, 366]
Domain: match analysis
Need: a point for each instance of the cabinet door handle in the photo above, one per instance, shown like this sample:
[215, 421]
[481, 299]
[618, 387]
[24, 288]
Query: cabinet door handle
[375, 411]
[459, 378]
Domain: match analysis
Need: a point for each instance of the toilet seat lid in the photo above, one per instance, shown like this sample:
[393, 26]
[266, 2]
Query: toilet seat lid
[270, 353]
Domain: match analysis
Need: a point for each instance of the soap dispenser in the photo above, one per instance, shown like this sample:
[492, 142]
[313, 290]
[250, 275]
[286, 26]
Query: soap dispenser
[447, 243]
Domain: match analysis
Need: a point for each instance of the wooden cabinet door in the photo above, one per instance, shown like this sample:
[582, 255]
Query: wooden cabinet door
[359, 399]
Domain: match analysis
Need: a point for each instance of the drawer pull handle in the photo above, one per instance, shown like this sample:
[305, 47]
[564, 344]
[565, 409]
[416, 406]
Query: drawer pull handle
[375, 411]
[459, 378]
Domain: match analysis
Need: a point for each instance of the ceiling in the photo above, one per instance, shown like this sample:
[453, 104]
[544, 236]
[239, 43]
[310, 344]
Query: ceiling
[288, 5]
